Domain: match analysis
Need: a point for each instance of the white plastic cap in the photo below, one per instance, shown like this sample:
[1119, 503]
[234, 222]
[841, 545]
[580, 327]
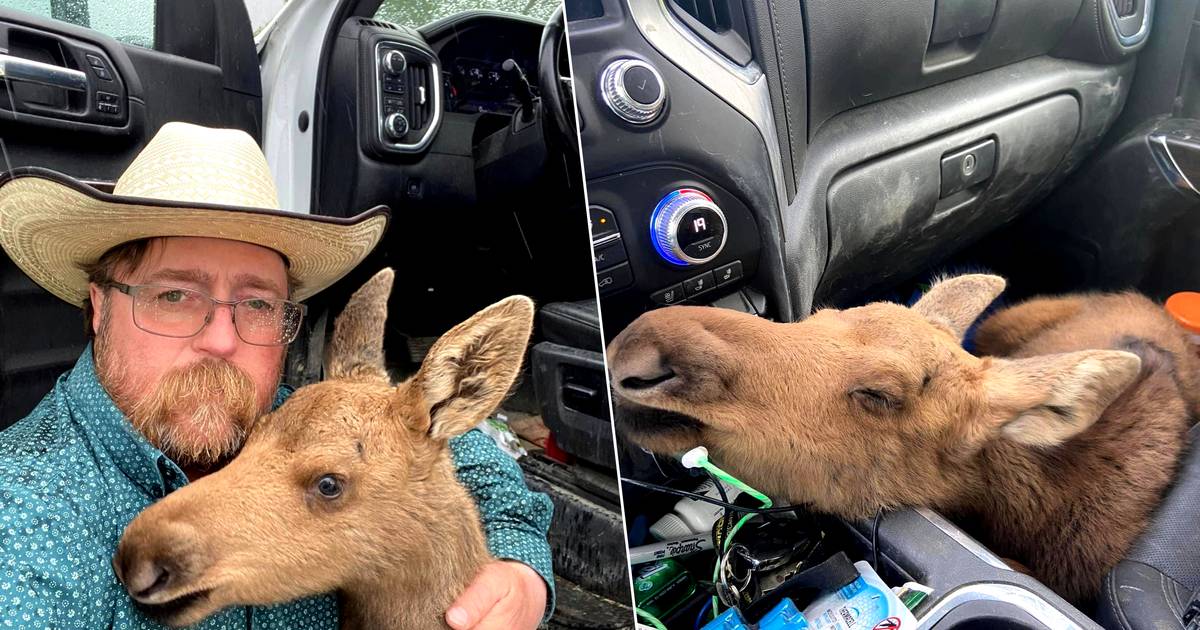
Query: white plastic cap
[668, 527]
[694, 458]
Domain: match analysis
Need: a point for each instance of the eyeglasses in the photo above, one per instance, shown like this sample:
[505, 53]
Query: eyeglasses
[175, 312]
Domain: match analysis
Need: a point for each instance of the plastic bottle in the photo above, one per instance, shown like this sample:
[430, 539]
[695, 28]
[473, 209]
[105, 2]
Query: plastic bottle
[691, 516]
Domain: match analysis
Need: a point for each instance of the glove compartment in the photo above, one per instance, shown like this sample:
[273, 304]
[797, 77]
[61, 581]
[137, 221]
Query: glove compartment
[904, 207]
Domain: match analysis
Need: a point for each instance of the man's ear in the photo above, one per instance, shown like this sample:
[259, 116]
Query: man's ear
[955, 303]
[96, 297]
[356, 350]
[470, 370]
[1044, 401]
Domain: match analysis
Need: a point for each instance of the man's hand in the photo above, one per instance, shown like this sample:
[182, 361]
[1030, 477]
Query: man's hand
[504, 595]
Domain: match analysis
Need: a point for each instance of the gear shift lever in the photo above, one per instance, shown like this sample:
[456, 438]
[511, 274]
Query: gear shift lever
[521, 87]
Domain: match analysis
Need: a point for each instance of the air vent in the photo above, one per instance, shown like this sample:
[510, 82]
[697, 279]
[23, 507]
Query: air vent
[421, 99]
[1126, 8]
[378, 24]
[711, 13]
[720, 23]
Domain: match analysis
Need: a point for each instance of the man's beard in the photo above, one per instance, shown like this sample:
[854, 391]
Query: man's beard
[198, 415]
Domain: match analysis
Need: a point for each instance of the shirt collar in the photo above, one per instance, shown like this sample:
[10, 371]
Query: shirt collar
[143, 463]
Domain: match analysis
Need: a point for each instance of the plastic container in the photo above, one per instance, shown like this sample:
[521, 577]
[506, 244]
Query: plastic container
[661, 587]
[1185, 308]
[691, 516]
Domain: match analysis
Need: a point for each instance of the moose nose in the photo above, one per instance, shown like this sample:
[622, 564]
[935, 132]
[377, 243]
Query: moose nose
[143, 577]
[639, 366]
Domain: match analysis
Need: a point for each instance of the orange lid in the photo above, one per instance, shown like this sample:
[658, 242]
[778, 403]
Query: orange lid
[1185, 308]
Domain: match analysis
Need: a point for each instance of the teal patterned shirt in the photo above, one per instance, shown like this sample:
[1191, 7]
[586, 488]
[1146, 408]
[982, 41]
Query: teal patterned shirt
[75, 472]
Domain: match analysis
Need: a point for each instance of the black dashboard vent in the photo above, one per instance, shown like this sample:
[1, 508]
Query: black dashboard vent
[720, 23]
[421, 91]
[378, 24]
[711, 13]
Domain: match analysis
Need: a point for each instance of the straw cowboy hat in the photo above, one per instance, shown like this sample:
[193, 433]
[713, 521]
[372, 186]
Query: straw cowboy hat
[188, 181]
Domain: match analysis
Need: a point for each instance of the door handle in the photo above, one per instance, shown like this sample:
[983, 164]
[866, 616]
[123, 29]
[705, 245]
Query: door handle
[30, 71]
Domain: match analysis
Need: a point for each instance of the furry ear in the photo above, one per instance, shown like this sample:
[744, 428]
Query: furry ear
[470, 370]
[955, 303]
[1046, 400]
[356, 350]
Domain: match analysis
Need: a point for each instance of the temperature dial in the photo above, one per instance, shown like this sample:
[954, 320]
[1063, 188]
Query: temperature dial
[394, 61]
[396, 125]
[633, 90]
[687, 228]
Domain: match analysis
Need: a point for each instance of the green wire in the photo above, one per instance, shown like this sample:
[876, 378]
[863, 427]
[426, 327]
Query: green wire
[740, 485]
[650, 618]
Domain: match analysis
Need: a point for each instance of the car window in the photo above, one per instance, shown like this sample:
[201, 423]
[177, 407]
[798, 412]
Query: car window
[422, 12]
[127, 21]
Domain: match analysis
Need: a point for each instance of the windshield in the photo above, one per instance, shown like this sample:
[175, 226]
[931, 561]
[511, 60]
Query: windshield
[422, 12]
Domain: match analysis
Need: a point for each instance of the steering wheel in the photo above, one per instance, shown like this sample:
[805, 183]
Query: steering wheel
[558, 94]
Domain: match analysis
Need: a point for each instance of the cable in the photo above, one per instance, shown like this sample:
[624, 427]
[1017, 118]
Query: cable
[700, 497]
[700, 617]
[875, 540]
[725, 519]
[718, 545]
[698, 458]
[650, 618]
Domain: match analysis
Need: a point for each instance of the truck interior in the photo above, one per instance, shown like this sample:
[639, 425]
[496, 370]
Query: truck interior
[776, 157]
[463, 125]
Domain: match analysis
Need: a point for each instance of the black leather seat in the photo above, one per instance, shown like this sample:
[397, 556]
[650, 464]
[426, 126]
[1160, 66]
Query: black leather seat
[1153, 585]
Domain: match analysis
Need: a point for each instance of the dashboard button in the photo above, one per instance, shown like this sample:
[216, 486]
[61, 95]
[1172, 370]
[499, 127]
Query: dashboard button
[687, 228]
[699, 284]
[614, 278]
[668, 296]
[603, 222]
[395, 125]
[728, 273]
[633, 90]
[609, 254]
[394, 61]
[642, 85]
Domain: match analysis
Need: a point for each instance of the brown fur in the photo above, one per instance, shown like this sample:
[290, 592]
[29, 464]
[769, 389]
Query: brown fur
[1060, 448]
[403, 538]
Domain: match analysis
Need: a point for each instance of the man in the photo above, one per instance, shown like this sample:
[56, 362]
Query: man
[190, 277]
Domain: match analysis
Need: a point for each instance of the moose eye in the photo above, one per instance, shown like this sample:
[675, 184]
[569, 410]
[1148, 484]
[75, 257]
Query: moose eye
[876, 401]
[329, 487]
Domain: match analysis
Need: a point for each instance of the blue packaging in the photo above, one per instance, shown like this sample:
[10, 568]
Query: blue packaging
[784, 616]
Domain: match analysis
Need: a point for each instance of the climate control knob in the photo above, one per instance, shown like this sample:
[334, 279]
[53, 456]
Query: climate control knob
[633, 90]
[394, 61]
[687, 228]
[395, 125]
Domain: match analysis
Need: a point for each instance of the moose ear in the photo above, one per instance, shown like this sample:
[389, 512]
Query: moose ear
[356, 350]
[470, 370]
[1046, 400]
[955, 303]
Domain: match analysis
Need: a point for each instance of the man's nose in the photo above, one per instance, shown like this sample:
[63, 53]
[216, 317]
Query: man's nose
[219, 338]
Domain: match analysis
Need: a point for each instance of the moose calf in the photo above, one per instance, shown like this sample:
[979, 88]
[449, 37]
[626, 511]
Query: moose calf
[348, 487]
[1059, 446]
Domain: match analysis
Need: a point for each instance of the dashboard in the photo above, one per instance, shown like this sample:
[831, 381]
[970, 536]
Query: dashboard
[473, 56]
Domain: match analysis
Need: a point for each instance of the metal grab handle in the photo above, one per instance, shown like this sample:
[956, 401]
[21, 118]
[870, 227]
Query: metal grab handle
[30, 71]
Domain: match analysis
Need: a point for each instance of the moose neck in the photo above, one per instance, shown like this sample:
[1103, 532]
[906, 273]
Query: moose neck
[415, 589]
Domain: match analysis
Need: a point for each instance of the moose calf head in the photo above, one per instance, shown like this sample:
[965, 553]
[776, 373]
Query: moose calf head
[338, 485]
[854, 410]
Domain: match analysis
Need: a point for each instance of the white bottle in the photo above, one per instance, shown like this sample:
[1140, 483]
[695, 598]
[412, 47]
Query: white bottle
[692, 516]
